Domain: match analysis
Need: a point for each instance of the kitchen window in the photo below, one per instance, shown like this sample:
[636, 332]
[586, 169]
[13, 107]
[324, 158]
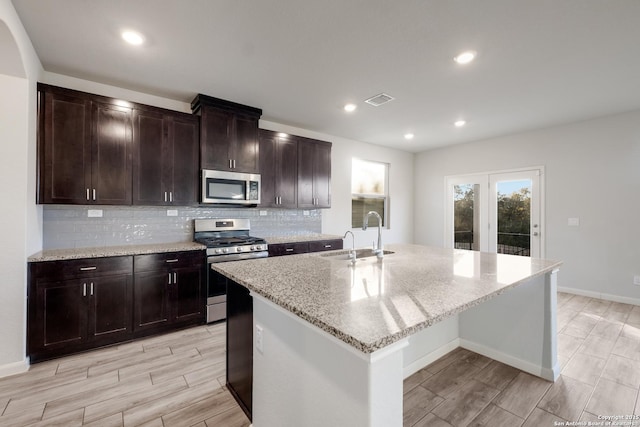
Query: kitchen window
[369, 192]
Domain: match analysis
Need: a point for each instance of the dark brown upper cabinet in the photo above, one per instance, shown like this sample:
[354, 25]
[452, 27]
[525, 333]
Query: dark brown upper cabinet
[314, 173]
[278, 169]
[84, 148]
[228, 135]
[165, 166]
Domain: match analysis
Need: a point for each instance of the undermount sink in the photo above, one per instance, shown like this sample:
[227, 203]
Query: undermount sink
[360, 253]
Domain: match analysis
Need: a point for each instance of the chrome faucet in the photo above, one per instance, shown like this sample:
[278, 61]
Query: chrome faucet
[377, 249]
[352, 252]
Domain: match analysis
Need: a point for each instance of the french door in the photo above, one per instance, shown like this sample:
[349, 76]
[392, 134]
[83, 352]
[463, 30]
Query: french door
[496, 212]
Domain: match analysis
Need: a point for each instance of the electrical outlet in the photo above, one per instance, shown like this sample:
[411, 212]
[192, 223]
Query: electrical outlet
[636, 280]
[259, 339]
[94, 213]
[263, 213]
[172, 212]
[574, 222]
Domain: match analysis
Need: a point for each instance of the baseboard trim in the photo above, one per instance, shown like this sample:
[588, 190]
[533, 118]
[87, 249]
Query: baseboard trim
[429, 358]
[539, 371]
[14, 368]
[599, 295]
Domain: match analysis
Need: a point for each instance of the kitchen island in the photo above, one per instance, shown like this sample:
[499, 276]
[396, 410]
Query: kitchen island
[334, 340]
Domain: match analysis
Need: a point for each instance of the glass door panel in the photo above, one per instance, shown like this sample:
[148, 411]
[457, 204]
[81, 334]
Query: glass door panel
[466, 212]
[515, 213]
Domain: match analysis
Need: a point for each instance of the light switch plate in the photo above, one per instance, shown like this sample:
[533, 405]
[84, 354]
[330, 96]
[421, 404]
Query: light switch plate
[574, 222]
[94, 213]
[172, 212]
[263, 213]
[305, 213]
[636, 280]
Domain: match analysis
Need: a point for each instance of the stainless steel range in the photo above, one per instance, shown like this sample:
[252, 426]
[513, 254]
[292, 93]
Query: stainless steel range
[226, 240]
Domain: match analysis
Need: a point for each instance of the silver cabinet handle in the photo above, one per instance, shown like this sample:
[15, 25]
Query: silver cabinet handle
[88, 268]
[87, 194]
[230, 164]
[84, 289]
[327, 246]
[165, 196]
[91, 288]
[169, 278]
[94, 194]
[172, 260]
[234, 163]
[171, 196]
[175, 278]
[289, 249]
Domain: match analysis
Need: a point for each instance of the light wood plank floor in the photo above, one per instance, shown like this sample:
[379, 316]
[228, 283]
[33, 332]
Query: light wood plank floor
[599, 355]
[178, 380]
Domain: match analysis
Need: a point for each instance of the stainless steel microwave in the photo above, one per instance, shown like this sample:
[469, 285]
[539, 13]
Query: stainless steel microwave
[234, 188]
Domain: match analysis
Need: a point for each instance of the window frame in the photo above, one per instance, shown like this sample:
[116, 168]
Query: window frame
[384, 197]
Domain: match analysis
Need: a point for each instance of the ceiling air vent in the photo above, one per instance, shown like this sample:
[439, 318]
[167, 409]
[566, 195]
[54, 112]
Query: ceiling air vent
[380, 99]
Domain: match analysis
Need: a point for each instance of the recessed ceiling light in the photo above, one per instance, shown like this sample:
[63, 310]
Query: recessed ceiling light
[408, 136]
[465, 57]
[350, 107]
[459, 123]
[133, 38]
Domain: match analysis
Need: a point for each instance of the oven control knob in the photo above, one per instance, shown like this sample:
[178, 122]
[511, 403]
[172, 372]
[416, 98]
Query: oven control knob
[258, 248]
[252, 248]
[239, 249]
[218, 251]
[226, 250]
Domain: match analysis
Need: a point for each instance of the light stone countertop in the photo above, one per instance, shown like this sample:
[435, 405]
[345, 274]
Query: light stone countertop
[378, 302]
[274, 240]
[108, 251]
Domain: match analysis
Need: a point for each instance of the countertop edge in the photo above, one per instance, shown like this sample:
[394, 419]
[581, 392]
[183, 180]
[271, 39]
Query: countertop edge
[111, 251]
[369, 348]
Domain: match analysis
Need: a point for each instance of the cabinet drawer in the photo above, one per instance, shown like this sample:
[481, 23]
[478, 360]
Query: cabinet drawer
[325, 245]
[85, 267]
[167, 260]
[288, 249]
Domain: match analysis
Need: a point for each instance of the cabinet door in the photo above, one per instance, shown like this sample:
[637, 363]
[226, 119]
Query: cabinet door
[268, 169]
[188, 297]
[184, 136]
[314, 174]
[64, 147]
[61, 316]
[111, 155]
[151, 300]
[150, 158]
[245, 148]
[240, 345]
[287, 172]
[322, 175]
[306, 161]
[216, 132]
[109, 315]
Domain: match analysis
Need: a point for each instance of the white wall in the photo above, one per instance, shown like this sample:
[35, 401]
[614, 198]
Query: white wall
[20, 218]
[337, 220]
[592, 172]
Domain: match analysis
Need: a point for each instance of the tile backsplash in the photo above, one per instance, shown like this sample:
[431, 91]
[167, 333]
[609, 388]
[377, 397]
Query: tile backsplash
[67, 226]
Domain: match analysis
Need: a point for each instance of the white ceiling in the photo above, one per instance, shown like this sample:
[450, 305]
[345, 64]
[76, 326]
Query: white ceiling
[539, 62]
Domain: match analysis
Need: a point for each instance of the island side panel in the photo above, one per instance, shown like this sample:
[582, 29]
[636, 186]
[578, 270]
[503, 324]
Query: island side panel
[517, 327]
[304, 376]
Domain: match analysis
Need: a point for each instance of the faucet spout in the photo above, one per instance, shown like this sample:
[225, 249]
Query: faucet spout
[378, 249]
[352, 252]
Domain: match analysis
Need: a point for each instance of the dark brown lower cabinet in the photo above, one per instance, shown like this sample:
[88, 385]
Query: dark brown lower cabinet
[280, 249]
[168, 290]
[240, 345]
[77, 305]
